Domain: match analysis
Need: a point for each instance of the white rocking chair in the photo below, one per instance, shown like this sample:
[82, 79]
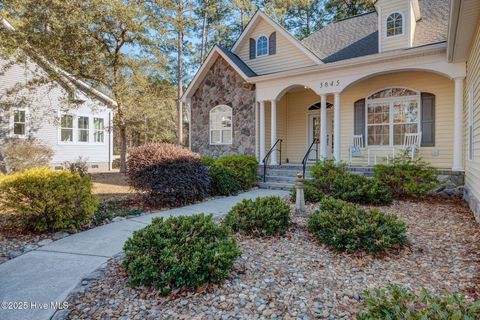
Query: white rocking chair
[411, 144]
[356, 149]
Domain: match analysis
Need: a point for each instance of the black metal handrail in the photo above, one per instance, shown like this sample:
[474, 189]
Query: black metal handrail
[305, 159]
[272, 149]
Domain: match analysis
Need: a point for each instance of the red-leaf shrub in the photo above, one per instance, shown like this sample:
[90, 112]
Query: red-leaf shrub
[168, 174]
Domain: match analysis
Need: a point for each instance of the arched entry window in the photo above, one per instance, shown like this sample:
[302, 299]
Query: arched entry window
[391, 113]
[317, 105]
[221, 125]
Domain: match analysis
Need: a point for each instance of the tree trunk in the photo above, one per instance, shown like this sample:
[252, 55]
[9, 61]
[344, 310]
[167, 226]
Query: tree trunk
[122, 130]
[204, 36]
[180, 78]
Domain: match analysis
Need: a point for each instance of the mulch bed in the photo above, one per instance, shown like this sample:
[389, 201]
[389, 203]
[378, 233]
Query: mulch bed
[295, 277]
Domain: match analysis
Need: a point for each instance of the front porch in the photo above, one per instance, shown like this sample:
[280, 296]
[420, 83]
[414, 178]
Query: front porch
[382, 109]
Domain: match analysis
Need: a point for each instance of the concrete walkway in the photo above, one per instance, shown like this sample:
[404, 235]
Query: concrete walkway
[46, 275]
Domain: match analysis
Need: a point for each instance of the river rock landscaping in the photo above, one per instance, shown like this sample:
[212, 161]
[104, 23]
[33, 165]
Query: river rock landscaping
[295, 277]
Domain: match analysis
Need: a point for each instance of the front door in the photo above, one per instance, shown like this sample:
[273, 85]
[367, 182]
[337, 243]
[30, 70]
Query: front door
[314, 132]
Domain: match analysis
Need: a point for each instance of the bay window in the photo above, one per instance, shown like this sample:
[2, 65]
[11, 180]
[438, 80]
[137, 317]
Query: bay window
[99, 129]
[66, 128]
[83, 129]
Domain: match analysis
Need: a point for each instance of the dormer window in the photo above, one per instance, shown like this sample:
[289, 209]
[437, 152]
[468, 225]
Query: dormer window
[395, 24]
[262, 46]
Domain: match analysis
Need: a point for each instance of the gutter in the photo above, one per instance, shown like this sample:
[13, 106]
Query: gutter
[455, 6]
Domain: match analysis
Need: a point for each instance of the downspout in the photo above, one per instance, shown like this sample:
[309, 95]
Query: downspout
[110, 134]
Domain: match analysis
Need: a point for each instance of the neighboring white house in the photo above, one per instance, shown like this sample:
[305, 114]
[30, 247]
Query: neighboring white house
[81, 129]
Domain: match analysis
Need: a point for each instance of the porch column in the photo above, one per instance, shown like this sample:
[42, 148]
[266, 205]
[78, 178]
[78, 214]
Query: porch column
[273, 131]
[262, 130]
[457, 126]
[336, 127]
[323, 126]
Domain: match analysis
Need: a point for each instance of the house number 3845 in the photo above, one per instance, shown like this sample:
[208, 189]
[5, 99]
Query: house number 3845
[333, 83]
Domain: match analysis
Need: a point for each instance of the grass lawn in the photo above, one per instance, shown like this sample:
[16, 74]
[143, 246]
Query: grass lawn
[111, 185]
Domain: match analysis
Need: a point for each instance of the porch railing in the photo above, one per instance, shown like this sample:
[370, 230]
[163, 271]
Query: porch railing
[307, 154]
[269, 153]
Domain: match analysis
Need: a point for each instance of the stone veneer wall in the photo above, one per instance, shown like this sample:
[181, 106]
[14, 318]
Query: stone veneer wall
[223, 85]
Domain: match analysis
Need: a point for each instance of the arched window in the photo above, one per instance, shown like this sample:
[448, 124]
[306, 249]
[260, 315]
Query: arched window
[391, 113]
[394, 24]
[262, 46]
[221, 125]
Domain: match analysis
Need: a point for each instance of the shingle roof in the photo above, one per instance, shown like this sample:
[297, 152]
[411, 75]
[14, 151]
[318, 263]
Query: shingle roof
[238, 62]
[358, 36]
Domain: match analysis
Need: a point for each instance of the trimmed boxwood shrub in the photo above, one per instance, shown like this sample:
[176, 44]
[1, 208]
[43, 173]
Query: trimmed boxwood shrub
[360, 189]
[224, 181]
[244, 167]
[264, 216]
[180, 252]
[397, 303]
[311, 193]
[346, 227]
[325, 173]
[45, 200]
[168, 174]
[407, 177]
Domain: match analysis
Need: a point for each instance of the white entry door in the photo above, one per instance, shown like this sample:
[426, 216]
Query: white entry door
[314, 131]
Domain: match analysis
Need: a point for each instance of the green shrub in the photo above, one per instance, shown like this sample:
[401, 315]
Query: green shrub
[407, 177]
[107, 210]
[311, 193]
[79, 166]
[180, 252]
[360, 189]
[19, 155]
[245, 168]
[266, 216]
[42, 199]
[397, 303]
[346, 227]
[224, 181]
[208, 161]
[169, 175]
[325, 172]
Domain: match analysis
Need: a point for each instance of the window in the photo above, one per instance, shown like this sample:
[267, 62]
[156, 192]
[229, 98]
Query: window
[98, 130]
[82, 129]
[221, 125]
[66, 128]
[262, 46]
[470, 123]
[394, 24]
[390, 114]
[19, 124]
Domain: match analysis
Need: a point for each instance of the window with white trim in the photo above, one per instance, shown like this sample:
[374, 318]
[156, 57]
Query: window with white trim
[98, 130]
[470, 123]
[19, 122]
[394, 24]
[262, 46]
[83, 129]
[66, 128]
[221, 125]
[391, 113]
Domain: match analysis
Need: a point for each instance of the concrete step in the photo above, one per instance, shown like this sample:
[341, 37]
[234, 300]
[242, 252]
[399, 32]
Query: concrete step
[288, 179]
[275, 185]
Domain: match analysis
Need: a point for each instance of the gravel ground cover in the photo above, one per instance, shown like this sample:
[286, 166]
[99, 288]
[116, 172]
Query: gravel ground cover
[295, 277]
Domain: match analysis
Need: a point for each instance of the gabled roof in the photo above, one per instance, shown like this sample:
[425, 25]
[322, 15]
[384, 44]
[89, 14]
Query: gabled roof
[67, 78]
[358, 36]
[232, 59]
[260, 15]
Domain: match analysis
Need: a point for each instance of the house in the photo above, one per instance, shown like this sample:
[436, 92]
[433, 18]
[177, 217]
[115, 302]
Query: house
[360, 90]
[67, 115]
[82, 128]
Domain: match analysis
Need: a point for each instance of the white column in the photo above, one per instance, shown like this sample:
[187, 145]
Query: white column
[273, 131]
[457, 126]
[323, 126]
[336, 127]
[189, 114]
[262, 130]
